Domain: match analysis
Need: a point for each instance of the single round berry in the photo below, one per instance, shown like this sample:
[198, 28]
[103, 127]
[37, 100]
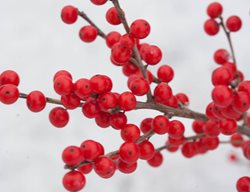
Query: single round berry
[129, 69]
[129, 152]
[74, 181]
[62, 73]
[63, 85]
[222, 76]
[82, 88]
[112, 38]
[160, 124]
[130, 133]
[236, 140]
[140, 29]
[88, 33]
[162, 92]
[182, 98]
[176, 129]
[156, 160]
[86, 168]
[120, 53]
[152, 55]
[98, 2]
[146, 125]
[118, 120]
[214, 10]
[243, 184]
[9, 77]
[104, 167]
[228, 126]
[102, 119]
[147, 150]
[72, 155]
[221, 56]
[112, 16]
[222, 95]
[234, 23]
[211, 27]
[165, 73]
[59, 117]
[91, 150]
[139, 86]
[90, 109]
[9, 94]
[69, 14]
[197, 126]
[212, 128]
[241, 102]
[127, 101]
[125, 167]
[107, 101]
[101, 84]
[36, 101]
[188, 149]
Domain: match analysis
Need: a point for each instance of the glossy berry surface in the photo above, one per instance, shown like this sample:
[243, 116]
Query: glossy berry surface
[9, 77]
[214, 10]
[234, 23]
[72, 155]
[69, 14]
[112, 16]
[74, 181]
[59, 117]
[36, 101]
[104, 167]
[140, 29]
[88, 33]
[211, 27]
[129, 152]
[9, 93]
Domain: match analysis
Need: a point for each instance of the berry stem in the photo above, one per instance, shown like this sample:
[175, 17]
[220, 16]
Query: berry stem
[86, 18]
[228, 35]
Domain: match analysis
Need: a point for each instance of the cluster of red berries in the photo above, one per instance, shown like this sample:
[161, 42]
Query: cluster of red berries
[212, 25]
[230, 95]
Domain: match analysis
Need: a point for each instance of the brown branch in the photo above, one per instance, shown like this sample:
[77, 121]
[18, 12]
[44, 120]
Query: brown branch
[86, 18]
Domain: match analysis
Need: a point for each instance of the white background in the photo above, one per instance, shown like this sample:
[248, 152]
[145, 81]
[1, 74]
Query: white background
[36, 43]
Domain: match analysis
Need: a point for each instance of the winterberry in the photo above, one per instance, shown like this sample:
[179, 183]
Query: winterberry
[59, 117]
[74, 181]
[9, 93]
[36, 101]
[69, 14]
[88, 33]
[140, 29]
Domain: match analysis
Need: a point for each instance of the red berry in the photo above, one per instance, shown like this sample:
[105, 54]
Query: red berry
[139, 86]
[147, 150]
[88, 33]
[222, 95]
[152, 55]
[9, 93]
[70, 101]
[162, 92]
[246, 149]
[130, 133]
[221, 56]
[98, 2]
[59, 117]
[156, 160]
[176, 129]
[91, 150]
[221, 76]
[197, 126]
[9, 77]
[211, 27]
[102, 119]
[243, 184]
[188, 149]
[209, 111]
[72, 155]
[82, 88]
[231, 67]
[165, 73]
[228, 126]
[160, 124]
[129, 152]
[146, 125]
[101, 84]
[112, 16]
[118, 120]
[104, 167]
[234, 23]
[127, 101]
[69, 14]
[90, 108]
[63, 85]
[107, 101]
[120, 53]
[125, 167]
[211, 142]
[244, 86]
[176, 141]
[36, 101]
[212, 128]
[62, 73]
[241, 102]
[236, 140]
[171, 102]
[129, 69]
[128, 41]
[112, 38]
[140, 29]
[214, 10]
[74, 181]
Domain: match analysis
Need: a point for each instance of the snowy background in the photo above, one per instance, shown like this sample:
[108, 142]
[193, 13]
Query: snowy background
[35, 43]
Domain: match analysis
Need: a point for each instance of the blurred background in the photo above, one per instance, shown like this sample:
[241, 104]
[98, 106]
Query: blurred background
[36, 43]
